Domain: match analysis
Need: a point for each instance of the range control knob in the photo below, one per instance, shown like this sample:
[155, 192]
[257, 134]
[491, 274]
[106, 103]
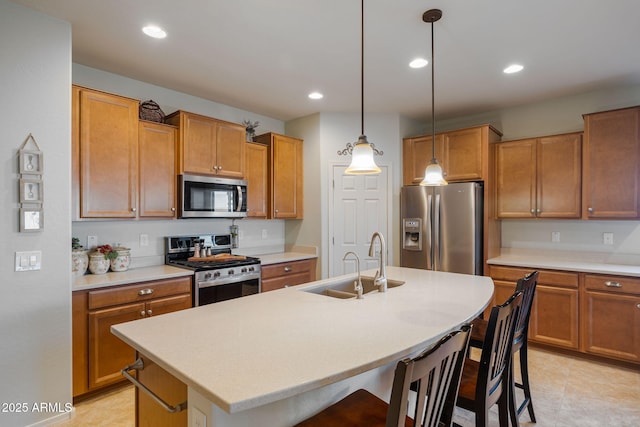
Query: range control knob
[207, 276]
[243, 270]
[216, 274]
[231, 273]
[252, 269]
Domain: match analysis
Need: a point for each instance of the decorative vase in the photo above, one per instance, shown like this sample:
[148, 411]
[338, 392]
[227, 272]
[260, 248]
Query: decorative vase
[122, 261]
[80, 262]
[98, 264]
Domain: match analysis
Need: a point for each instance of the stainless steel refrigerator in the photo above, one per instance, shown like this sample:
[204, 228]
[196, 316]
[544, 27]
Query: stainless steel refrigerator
[442, 227]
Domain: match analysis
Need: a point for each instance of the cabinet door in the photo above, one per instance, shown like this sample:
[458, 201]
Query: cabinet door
[168, 305]
[559, 175]
[198, 144]
[230, 146]
[168, 388]
[157, 167]
[416, 156]
[464, 153]
[611, 182]
[516, 179]
[257, 179]
[554, 316]
[108, 140]
[107, 353]
[286, 172]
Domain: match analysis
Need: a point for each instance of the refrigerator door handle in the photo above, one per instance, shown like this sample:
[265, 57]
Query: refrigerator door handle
[429, 230]
[436, 235]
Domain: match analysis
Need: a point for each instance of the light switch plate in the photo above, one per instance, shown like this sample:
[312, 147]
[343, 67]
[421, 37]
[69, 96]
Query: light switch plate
[607, 238]
[555, 236]
[92, 242]
[28, 261]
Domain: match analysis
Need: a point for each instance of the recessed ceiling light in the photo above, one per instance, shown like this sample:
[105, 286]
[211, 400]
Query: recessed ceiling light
[316, 95]
[514, 68]
[418, 63]
[154, 31]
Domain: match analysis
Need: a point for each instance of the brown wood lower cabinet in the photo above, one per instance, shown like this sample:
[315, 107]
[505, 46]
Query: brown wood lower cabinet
[168, 388]
[282, 275]
[591, 313]
[611, 316]
[98, 355]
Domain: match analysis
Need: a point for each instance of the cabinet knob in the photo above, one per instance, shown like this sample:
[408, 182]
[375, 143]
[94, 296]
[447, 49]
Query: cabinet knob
[173, 209]
[287, 269]
[147, 291]
[538, 210]
[638, 305]
[611, 284]
[533, 211]
[134, 209]
[142, 313]
[590, 209]
[149, 312]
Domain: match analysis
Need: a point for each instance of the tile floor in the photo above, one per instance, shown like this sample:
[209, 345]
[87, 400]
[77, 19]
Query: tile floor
[567, 392]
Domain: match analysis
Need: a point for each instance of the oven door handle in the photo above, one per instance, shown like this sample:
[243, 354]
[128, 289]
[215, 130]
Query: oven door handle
[138, 365]
[239, 205]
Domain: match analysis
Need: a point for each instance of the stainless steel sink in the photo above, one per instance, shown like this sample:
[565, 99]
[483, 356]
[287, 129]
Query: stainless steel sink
[344, 288]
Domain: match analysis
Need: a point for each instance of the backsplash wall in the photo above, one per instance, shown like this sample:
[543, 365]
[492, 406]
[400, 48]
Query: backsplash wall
[582, 236]
[255, 236]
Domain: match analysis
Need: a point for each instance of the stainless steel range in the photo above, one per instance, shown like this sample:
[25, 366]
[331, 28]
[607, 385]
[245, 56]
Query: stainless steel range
[219, 275]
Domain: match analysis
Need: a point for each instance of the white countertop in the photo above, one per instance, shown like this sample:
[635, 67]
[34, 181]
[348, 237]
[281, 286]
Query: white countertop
[247, 352]
[586, 262]
[113, 278]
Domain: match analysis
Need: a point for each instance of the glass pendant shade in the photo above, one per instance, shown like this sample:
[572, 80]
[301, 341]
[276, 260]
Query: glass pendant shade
[433, 175]
[362, 162]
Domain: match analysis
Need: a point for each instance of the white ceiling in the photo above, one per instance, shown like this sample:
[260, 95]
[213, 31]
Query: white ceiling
[266, 56]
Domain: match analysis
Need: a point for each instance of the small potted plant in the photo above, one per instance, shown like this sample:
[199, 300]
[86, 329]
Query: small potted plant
[250, 127]
[100, 259]
[79, 258]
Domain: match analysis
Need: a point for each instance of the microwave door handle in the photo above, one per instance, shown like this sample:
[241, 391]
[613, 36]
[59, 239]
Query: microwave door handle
[239, 205]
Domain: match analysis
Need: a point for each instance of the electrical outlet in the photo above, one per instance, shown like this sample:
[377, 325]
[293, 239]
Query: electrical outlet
[607, 238]
[199, 419]
[92, 242]
[555, 236]
[265, 234]
[144, 240]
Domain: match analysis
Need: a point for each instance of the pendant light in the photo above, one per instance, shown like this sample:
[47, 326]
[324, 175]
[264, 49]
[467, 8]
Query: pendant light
[362, 162]
[433, 173]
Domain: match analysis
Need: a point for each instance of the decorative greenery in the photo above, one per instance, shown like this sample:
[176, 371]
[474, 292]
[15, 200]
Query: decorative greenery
[250, 127]
[107, 251]
[75, 243]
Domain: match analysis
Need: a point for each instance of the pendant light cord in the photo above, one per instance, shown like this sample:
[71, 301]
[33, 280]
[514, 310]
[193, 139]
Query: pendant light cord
[433, 102]
[362, 67]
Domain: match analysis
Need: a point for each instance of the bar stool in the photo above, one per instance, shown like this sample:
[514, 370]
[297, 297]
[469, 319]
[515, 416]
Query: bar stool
[436, 373]
[486, 382]
[527, 285]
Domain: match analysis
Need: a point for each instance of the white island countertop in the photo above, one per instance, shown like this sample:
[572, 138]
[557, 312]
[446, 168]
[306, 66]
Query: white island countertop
[251, 351]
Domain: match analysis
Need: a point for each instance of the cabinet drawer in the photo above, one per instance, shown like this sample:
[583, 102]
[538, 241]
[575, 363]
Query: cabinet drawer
[618, 284]
[283, 282]
[138, 292]
[286, 268]
[555, 278]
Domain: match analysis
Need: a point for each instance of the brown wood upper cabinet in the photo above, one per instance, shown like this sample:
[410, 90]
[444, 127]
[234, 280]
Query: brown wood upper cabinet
[157, 170]
[285, 176]
[209, 146]
[540, 177]
[463, 154]
[611, 175]
[257, 176]
[105, 154]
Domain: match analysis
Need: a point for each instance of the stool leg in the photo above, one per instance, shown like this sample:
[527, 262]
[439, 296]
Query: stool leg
[524, 369]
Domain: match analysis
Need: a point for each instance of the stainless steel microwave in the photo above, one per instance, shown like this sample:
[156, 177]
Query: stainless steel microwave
[210, 197]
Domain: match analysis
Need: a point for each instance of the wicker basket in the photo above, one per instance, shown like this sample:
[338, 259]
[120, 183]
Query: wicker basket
[151, 111]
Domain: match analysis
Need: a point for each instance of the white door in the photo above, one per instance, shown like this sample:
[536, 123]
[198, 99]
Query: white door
[359, 208]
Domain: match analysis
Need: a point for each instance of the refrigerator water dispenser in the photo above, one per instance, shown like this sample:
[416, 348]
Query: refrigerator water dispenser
[412, 232]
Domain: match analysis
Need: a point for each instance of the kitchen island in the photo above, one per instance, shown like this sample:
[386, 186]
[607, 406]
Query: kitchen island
[278, 357]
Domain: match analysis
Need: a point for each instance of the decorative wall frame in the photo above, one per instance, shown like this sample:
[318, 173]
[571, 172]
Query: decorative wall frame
[31, 190]
[30, 162]
[30, 167]
[31, 219]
